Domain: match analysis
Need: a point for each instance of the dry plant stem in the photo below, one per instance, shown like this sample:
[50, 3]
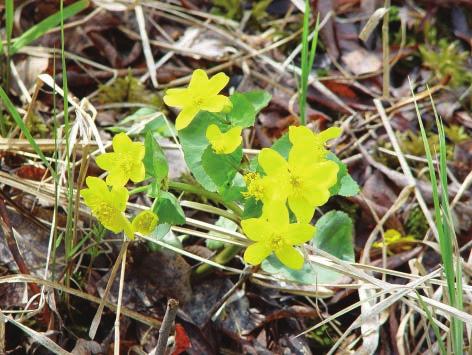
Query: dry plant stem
[114, 270]
[167, 322]
[386, 53]
[116, 349]
[405, 167]
[2, 334]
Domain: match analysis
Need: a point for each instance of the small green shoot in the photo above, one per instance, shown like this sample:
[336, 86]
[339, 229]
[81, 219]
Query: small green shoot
[445, 227]
[308, 58]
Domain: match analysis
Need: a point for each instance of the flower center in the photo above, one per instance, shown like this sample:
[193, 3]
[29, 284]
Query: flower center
[105, 212]
[198, 101]
[125, 162]
[276, 241]
[296, 182]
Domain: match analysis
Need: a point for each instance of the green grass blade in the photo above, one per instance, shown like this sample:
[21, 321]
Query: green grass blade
[304, 64]
[16, 117]
[9, 17]
[437, 333]
[443, 218]
[314, 43]
[48, 23]
[454, 281]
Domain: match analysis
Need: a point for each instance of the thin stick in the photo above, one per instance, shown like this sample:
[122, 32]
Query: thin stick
[116, 349]
[2, 334]
[98, 315]
[164, 331]
[386, 53]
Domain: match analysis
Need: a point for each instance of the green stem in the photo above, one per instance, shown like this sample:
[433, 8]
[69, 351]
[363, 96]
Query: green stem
[194, 189]
[222, 258]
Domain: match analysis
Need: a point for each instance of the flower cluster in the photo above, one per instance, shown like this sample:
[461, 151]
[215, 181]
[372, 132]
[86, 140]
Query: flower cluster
[203, 94]
[298, 184]
[107, 199]
[302, 182]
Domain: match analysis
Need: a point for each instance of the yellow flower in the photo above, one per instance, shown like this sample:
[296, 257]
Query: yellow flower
[145, 222]
[303, 182]
[108, 206]
[273, 233]
[392, 237]
[303, 139]
[224, 143]
[125, 163]
[201, 94]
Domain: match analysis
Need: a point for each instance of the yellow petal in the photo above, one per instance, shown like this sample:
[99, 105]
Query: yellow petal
[224, 143]
[198, 82]
[302, 208]
[106, 161]
[301, 136]
[299, 233]
[330, 133]
[256, 253]
[256, 228]
[117, 177]
[121, 143]
[215, 103]
[290, 257]
[97, 184]
[272, 162]
[274, 189]
[137, 173]
[316, 195]
[177, 98]
[137, 150]
[185, 117]
[120, 197]
[277, 215]
[217, 83]
[213, 132]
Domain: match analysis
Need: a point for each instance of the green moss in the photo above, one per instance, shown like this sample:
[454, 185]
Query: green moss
[234, 9]
[445, 59]
[130, 90]
[456, 133]
[411, 143]
[416, 223]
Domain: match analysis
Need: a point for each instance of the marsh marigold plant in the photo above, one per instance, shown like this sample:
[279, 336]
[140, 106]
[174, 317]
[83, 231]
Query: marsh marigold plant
[280, 188]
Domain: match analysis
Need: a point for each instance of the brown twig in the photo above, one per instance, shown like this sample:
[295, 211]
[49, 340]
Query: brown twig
[164, 331]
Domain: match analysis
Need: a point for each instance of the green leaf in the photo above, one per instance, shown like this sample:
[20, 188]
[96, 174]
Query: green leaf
[168, 209]
[258, 98]
[212, 171]
[346, 186]
[252, 208]
[333, 235]
[246, 105]
[194, 143]
[243, 113]
[154, 160]
[232, 192]
[221, 168]
[45, 25]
